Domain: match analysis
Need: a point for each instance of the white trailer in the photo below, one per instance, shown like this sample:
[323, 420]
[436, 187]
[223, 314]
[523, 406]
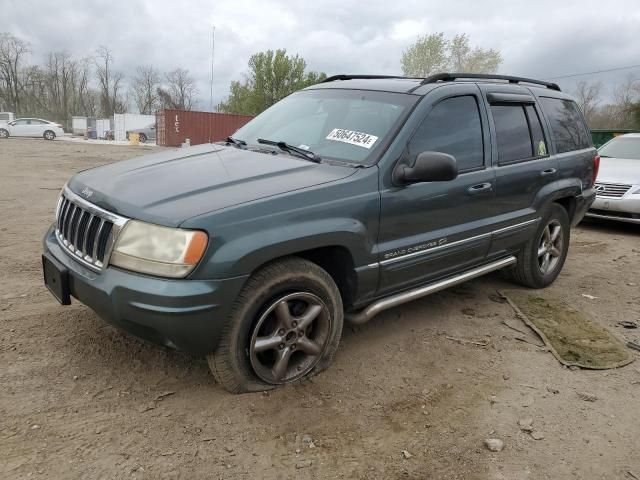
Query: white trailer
[78, 125]
[103, 125]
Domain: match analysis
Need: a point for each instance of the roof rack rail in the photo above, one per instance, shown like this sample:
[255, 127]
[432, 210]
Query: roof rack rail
[333, 78]
[444, 77]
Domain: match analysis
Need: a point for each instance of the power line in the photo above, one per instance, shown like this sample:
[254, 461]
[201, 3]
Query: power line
[592, 73]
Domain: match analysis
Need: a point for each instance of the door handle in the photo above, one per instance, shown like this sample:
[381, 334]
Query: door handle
[480, 188]
[548, 171]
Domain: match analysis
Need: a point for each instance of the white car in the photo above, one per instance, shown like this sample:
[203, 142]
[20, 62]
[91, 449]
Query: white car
[31, 127]
[618, 184]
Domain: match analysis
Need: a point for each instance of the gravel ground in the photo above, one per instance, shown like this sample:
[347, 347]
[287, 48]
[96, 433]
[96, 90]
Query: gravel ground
[403, 400]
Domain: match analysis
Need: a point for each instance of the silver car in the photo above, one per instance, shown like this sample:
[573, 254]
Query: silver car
[145, 133]
[618, 184]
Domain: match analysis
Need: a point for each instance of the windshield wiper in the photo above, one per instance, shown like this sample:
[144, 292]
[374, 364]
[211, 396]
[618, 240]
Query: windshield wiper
[236, 142]
[284, 146]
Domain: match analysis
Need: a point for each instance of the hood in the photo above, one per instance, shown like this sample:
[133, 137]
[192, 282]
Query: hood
[619, 170]
[169, 187]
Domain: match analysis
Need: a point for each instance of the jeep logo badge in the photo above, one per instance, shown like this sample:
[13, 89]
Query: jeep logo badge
[87, 192]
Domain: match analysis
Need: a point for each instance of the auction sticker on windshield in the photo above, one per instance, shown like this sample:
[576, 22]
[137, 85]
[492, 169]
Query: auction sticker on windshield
[354, 138]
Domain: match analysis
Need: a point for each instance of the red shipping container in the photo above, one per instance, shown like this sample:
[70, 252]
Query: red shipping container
[173, 127]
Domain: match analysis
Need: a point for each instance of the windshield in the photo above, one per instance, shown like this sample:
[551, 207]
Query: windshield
[622, 147]
[348, 125]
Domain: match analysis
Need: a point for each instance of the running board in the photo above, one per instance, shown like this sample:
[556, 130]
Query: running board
[372, 310]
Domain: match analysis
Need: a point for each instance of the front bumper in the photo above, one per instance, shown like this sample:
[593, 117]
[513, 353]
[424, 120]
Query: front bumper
[625, 209]
[184, 314]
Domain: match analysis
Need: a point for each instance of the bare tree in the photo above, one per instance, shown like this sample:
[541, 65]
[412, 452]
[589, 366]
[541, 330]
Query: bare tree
[181, 91]
[145, 89]
[588, 97]
[110, 82]
[625, 102]
[13, 51]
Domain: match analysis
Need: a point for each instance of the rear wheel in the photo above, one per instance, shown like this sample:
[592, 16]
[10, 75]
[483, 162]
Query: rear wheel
[285, 326]
[142, 138]
[4, 133]
[543, 257]
[49, 135]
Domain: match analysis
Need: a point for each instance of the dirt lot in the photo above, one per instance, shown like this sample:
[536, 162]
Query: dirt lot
[80, 399]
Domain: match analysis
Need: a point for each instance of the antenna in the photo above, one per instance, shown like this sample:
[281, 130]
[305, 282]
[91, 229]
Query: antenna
[213, 45]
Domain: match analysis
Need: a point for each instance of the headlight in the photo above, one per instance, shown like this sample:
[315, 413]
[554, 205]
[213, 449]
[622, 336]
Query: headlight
[163, 251]
[636, 191]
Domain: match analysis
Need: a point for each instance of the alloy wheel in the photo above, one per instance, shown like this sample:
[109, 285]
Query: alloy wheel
[550, 247]
[289, 338]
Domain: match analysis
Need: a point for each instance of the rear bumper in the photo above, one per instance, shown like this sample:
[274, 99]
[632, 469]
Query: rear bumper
[626, 209]
[583, 203]
[187, 315]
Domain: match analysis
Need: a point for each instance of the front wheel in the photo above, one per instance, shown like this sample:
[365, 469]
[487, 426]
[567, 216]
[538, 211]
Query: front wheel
[142, 138]
[284, 327]
[4, 133]
[542, 258]
[49, 135]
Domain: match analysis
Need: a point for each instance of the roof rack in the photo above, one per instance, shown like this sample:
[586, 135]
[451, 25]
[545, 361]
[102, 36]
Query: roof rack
[333, 78]
[447, 77]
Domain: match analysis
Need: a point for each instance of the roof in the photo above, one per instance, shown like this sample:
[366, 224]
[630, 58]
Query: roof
[411, 84]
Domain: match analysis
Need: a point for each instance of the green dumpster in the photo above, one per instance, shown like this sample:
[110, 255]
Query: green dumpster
[602, 136]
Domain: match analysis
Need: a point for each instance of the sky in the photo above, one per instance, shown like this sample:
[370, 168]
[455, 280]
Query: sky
[541, 39]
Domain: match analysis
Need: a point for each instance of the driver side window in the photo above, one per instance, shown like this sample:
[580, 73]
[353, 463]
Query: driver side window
[453, 126]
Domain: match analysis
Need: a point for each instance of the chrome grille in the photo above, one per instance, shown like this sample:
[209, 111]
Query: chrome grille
[615, 190]
[86, 231]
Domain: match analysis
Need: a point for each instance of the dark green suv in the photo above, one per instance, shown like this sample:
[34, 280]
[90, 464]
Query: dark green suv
[344, 199]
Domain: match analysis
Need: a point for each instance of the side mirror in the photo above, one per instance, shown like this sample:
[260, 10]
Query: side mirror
[428, 167]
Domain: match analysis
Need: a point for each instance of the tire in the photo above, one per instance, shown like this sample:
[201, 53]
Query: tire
[289, 312]
[142, 138]
[4, 133]
[549, 244]
[49, 135]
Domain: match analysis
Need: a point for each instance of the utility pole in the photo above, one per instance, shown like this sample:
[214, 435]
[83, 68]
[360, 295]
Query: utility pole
[213, 45]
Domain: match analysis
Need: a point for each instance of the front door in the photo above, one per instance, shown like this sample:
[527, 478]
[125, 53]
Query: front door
[20, 128]
[429, 230]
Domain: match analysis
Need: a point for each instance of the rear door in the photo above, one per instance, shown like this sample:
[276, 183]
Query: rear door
[429, 230]
[525, 168]
[38, 127]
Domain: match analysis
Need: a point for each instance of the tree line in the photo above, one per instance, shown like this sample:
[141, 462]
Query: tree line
[618, 108]
[64, 86]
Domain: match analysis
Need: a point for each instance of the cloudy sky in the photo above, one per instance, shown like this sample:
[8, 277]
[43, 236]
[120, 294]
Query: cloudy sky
[541, 39]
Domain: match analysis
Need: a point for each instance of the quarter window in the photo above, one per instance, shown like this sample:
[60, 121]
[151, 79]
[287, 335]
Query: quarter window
[537, 135]
[453, 127]
[567, 125]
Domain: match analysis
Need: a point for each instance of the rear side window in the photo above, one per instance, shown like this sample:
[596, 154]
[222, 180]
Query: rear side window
[567, 125]
[512, 132]
[453, 127]
[518, 132]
